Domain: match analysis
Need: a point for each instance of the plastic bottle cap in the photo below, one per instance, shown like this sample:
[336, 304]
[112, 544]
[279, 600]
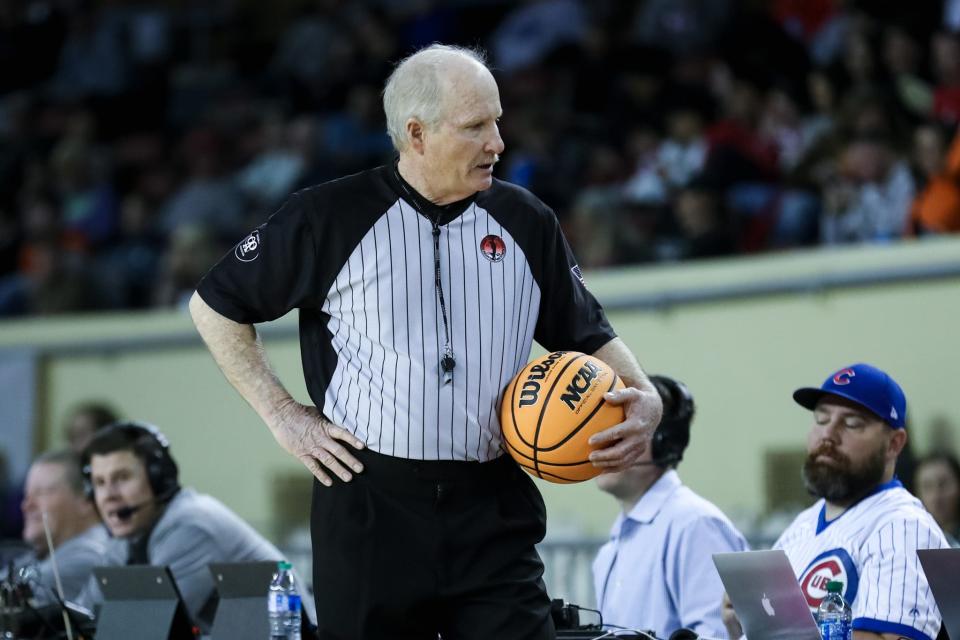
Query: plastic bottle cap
[283, 565]
[834, 586]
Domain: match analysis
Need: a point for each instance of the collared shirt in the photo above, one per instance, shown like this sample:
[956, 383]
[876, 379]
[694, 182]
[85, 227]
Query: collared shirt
[360, 259]
[656, 572]
[872, 549]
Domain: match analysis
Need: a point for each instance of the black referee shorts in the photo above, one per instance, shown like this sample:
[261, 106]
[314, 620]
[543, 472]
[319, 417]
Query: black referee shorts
[411, 549]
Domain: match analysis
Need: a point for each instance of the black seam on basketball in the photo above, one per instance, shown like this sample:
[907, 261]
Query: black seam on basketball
[574, 431]
[543, 408]
[513, 415]
[513, 397]
[552, 475]
[555, 464]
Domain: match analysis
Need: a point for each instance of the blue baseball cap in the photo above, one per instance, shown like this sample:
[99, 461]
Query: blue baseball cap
[869, 387]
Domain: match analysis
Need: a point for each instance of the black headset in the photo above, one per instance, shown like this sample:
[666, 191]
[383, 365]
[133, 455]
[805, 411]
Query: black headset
[673, 434]
[150, 445]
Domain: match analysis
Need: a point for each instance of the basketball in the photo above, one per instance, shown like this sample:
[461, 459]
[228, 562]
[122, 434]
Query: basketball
[550, 410]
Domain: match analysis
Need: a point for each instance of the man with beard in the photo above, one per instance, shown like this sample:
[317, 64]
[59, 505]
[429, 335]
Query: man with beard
[866, 528]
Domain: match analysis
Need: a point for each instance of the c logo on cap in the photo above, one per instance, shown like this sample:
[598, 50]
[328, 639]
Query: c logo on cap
[843, 376]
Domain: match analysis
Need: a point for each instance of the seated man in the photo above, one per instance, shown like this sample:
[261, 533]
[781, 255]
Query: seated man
[55, 487]
[656, 572]
[866, 528]
[134, 482]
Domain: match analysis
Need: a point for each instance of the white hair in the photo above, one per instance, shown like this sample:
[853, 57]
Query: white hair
[415, 88]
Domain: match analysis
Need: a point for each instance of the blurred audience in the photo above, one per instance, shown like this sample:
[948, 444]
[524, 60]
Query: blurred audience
[134, 134]
[937, 484]
[936, 209]
[84, 421]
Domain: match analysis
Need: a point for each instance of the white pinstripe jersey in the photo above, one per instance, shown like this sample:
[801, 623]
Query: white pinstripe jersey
[356, 257]
[872, 549]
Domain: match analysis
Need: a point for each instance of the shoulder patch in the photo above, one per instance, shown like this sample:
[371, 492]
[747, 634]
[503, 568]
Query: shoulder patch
[248, 249]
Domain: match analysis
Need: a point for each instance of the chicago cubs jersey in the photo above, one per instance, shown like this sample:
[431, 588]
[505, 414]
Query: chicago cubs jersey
[872, 549]
[365, 259]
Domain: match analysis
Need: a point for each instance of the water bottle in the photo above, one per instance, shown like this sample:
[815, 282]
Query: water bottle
[283, 604]
[834, 616]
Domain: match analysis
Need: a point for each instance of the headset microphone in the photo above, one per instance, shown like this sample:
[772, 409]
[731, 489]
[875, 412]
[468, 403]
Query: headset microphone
[688, 634]
[125, 513]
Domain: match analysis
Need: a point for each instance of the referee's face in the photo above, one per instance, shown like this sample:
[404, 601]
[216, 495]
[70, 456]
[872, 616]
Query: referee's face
[460, 152]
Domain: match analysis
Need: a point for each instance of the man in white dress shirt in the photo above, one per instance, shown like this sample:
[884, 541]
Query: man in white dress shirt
[656, 573]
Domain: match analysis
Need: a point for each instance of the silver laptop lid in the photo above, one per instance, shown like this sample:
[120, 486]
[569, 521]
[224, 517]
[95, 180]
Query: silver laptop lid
[942, 566]
[766, 596]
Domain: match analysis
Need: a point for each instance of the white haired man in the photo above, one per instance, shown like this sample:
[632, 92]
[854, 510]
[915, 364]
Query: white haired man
[54, 489]
[420, 286]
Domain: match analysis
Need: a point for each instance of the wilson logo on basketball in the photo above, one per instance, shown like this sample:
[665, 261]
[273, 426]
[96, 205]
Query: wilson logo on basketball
[493, 248]
[530, 392]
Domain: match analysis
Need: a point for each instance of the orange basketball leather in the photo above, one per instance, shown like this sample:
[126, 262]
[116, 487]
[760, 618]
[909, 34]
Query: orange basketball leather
[550, 410]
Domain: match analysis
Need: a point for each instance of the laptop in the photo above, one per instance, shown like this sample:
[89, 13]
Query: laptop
[942, 566]
[242, 609]
[766, 595]
[141, 602]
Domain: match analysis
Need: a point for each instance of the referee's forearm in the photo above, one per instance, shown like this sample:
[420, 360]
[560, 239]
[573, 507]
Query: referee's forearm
[616, 354]
[239, 353]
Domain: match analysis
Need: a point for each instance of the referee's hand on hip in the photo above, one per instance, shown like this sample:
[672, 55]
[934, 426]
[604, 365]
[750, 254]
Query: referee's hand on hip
[316, 442]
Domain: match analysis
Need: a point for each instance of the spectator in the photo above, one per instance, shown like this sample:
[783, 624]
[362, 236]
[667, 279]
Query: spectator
[674, 161]
[937, 479]
[902, 58]
[207, 198]
[936, 209]
[55, 500]
[93, 60]
[871, 202]
[84, 421]
[945, 54]
[705, 228]
[534, 29]
[192, 251]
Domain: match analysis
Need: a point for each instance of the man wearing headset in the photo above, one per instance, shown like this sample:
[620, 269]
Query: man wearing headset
[656, 572]
[133, 480]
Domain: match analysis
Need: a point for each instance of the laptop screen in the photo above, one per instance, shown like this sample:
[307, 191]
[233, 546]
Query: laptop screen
[941, 567]
[766, 596]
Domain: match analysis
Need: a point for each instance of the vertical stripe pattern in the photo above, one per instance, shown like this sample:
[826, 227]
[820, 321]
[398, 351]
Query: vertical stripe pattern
[387, 334]
[872, 549]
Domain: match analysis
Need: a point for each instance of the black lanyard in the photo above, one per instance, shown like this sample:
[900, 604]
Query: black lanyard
[447, 362]
[447, 359]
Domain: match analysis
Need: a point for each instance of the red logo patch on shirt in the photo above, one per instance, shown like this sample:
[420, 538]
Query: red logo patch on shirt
[493, 248]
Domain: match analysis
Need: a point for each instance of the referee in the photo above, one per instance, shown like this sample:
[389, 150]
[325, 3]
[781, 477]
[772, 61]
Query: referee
[421, 286]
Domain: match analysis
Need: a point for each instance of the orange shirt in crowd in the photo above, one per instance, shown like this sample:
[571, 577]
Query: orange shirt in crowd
[937, 208]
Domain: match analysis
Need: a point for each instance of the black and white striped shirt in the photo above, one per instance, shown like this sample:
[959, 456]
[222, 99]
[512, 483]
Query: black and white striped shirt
[356, 256]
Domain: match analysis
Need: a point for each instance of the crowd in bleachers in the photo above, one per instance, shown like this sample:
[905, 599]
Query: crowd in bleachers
[140, 140]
